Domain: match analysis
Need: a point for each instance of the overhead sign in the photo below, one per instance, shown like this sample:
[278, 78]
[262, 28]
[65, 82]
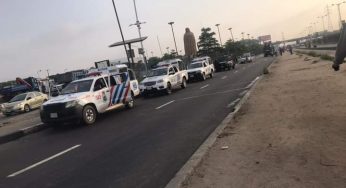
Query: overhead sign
[265, 38]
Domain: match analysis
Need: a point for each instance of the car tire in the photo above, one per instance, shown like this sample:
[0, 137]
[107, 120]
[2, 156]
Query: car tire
[203, 76]
[211, 74]
[169, 89]
[89, 115]
[27, 108]
[184, 83]
[130, 104]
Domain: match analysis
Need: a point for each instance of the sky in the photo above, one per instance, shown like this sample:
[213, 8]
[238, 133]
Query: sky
[72, 34]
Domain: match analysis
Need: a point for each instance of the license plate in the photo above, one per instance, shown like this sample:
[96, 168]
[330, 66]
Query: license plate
[53, 115]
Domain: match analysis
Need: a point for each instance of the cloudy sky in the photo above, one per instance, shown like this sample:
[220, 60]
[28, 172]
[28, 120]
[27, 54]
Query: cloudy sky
[71, 34]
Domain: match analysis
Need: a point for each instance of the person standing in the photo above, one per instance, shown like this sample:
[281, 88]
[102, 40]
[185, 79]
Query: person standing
[340, 52]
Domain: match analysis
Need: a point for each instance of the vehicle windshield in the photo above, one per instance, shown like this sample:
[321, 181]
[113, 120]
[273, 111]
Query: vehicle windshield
[195, 65]
[158, 72]
[17, 98]
[77, 87]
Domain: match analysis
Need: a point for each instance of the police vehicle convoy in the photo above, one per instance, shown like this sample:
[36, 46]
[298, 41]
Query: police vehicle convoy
[199, 70]
[166, 77]
[103, 90]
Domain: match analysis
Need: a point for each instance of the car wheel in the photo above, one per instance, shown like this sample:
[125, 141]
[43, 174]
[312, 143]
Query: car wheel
[212, 74]
[130, 104]
[169, 88]
[203, 76]
[26, 108]
[183, 84]
[89, 115]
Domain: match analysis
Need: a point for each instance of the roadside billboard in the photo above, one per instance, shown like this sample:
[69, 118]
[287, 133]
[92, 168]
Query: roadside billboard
[265, 38]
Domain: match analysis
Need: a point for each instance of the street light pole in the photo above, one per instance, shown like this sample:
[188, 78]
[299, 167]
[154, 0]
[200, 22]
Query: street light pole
[338, 5]
[248, 36]
[175, 43]
[230, 29]
[121, 32]
[138, 24]
[242, 34]
[323, 26]
[218, 29]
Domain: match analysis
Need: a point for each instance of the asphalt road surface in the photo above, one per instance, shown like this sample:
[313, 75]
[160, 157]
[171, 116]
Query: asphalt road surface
[142, 147]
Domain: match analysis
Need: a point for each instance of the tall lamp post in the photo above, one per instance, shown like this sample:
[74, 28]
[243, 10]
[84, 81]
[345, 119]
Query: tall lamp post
[175, 43]
[338, 5]
[322, 19]
[248, 36]
[242, 35]
[230, 29]
[218, 29]
[121, 32]
[138, 24]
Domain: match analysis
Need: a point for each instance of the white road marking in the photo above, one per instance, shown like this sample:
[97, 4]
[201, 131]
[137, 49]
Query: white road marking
[242, 93]
[164, 105]
[233, 103]
[210, 94]
[224, 77]
[253, 82]
[204, 86]
[43, 161]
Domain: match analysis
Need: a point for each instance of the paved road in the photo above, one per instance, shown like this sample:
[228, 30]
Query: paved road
[142, 147]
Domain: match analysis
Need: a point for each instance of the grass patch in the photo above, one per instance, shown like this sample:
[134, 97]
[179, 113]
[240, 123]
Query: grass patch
[327, 57]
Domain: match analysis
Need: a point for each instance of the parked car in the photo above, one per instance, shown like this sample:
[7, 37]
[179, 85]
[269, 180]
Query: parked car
[225, 63]
[163, 79]
[208, 60]
[199, 70]
[82, 100]
[24, 103]
[246, 58]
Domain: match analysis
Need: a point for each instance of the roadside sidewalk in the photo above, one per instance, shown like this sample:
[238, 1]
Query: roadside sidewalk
[290, 133]
[19, 125]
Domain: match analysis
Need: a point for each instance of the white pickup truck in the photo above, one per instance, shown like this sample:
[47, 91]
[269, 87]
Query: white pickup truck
[82, 100]
[163, 79]
[200, 70]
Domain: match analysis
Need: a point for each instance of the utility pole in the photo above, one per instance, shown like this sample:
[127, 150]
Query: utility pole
[230, 29]
[330, 24]
[175, 43]
[322, 19]
[158, 41]
[338, 5]
[218, 29]
[248, 36]
[121, 32]
[242, 35]
[138, 24]
[48, 84]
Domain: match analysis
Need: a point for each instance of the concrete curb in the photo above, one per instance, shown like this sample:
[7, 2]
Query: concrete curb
[182, 176]
[22, 132]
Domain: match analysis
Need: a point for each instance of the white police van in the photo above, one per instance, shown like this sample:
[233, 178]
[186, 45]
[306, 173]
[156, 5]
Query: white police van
[103, 90]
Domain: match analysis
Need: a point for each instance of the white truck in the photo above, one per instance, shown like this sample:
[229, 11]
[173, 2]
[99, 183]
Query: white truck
[84, 99]
[200, 70]
[163, 79]
[208, 61]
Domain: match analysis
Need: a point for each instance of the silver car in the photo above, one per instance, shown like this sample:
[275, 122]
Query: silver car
[24, 103]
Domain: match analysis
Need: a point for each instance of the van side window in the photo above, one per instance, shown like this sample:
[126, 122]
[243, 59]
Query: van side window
[99, 84]
[175, 69]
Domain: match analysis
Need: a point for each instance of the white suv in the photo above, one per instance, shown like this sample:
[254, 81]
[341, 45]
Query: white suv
[199, 70]
[163, 79]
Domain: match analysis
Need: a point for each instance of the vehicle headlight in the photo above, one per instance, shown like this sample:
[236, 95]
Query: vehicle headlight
[18, 105]
[71, 104]
[160, 81]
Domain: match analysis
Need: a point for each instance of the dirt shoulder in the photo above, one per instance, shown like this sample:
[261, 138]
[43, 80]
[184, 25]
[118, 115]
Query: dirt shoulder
[290, 133]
